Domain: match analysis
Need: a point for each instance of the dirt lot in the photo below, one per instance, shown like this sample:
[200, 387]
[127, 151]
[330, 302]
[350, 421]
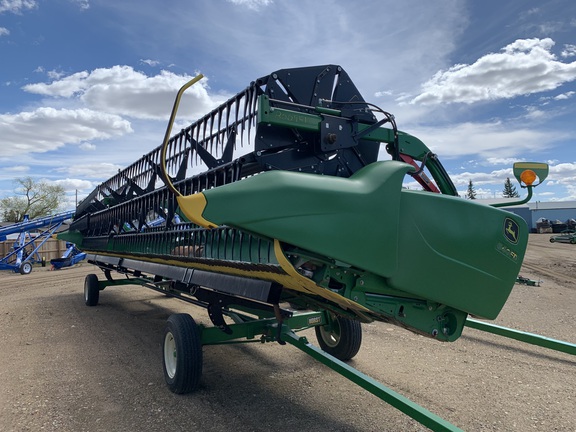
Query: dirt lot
[67, 367]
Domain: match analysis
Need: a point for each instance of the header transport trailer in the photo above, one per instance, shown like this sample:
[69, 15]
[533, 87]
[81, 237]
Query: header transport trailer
[277, 215]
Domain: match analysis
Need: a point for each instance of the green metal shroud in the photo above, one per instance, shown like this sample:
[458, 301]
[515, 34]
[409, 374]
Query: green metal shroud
[417, 241]
[312, 209]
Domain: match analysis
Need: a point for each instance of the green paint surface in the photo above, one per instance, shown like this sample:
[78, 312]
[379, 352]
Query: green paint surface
[443, 248]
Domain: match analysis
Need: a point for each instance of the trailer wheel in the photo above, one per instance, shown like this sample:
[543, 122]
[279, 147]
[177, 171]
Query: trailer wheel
[91, 290]
[182, 354]
[25, 268]
[341, 337]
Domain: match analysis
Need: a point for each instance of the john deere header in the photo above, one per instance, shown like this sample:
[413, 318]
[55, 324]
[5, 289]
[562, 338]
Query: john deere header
[282, 184]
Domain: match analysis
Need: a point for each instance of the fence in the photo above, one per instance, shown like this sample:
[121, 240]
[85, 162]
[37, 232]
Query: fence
[51, 249]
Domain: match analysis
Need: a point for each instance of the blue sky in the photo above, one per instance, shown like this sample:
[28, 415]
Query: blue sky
[86, 86]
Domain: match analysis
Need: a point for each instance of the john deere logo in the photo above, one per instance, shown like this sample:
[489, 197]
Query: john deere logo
[511, 230]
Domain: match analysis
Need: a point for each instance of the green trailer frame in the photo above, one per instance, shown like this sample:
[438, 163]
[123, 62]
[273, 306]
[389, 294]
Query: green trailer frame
[184, 339]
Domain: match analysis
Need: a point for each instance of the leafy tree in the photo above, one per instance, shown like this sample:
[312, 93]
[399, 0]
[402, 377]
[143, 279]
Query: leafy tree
[509, 189]
[471, 192]
[32, 198]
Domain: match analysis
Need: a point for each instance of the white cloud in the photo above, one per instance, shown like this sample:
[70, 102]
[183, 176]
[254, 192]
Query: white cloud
[123, 91]
[569, 51]
[4, 31]
[482, 178]
[73, 184]
[66, 87]
[533, 11]
[563, 173]
[150, 62]
[383, 93]
[533, 113]
[53, 74]
[252, 4]
[564, 96]
[47, 129]
[16, 6]
[501, 161]
[82, 4]
[87, 146]
[91, 170]
[523, 67]
[550, 27]
[489, 140]
[349, 36]
[16, 168]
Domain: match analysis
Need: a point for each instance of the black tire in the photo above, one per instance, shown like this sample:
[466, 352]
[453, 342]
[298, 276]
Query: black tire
[182, 354]
[25, 268]
[91, 290]
[341, 337]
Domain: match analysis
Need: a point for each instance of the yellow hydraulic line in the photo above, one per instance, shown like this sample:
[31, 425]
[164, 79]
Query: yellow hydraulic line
[192, 206]
[169, 131]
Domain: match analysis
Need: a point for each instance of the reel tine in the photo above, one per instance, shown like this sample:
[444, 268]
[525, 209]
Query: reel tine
[189, 139]
[236, 110]
[250, 110]
[181, 148]
[245, 113]
[219, 130]
[203, 142]
[197, 139]
[225, 131]
[228, 110]
[212, 119]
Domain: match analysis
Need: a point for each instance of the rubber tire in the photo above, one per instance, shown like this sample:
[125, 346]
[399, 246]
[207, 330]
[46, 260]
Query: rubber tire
[91, 290]
[25, 268]
[341, 338]
[182, 354]
[551, 240]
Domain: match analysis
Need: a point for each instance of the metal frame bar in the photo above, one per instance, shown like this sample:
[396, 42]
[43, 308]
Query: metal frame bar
[269, 327]
[530, 338]
[411, 409]
[265, 327]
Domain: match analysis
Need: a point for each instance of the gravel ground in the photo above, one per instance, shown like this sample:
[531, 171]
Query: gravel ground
[67, 367]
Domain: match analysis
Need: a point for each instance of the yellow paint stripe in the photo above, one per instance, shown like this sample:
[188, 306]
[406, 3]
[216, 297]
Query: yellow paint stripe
[530, 165]
[290, 278]
[308, 285]
[193, 206]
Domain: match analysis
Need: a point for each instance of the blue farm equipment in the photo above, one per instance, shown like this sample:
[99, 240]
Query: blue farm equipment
[24, 253]
[72, 256]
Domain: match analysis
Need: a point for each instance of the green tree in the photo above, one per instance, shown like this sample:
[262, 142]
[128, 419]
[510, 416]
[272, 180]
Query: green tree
[509, 189]
[32, 198]
[471, 192]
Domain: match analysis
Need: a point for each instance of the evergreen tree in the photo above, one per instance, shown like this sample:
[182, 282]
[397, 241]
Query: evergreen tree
[471, 192]
[509, 189]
